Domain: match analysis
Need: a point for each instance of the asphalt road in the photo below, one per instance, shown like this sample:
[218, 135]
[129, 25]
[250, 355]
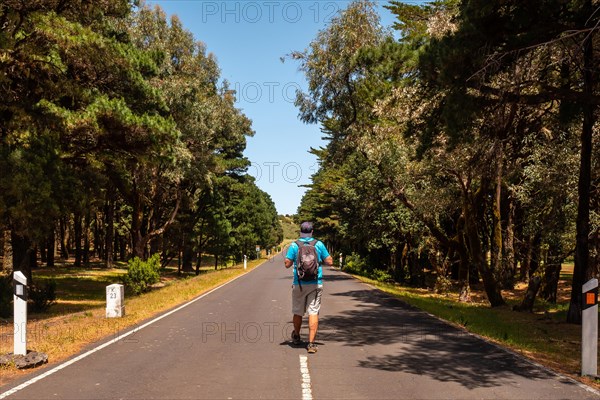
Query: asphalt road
[233, 344]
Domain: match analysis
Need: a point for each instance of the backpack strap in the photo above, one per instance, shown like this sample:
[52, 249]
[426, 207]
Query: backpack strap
[299, 243]
[313, 243]
[303, 243]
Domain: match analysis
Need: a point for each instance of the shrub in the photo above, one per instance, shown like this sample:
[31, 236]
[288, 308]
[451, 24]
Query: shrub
[142, 274]
[6, 296]
[42, 296]
[442, 284]
[355, 264]
[381, 276]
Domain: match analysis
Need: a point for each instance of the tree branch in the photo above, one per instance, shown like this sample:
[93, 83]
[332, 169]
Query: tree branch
[550, 94]
[162, 229]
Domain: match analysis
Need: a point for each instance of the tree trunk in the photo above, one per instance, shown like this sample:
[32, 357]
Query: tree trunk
[526, 255]
[122, 248]
[22, 251]
[508, 259]
[86, 240]
[463, 272]
[43, 251]
[155, 245]
[551, 276]
[137, 237]
[188, 254]
[582, 271]
[198, 264]
[529, 299]
[216, 262]
[64, 238]
[413, 261]
[78, 228]
[399, 271]
[7, 260]
[535, 280]
[595, 250]
[51, 248]
[496, 239]
[404, 259]
[490, 284]
[155, 240]
[140, 239]
[199, 261]
[139, 249]
[33, 263]
[98, 237]
[536, 254]
[179, 257]
[109, 235]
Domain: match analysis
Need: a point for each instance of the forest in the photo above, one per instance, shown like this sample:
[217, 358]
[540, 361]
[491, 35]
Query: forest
[462, 143]
[119, 139]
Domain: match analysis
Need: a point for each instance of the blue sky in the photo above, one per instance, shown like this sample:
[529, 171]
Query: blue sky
[249, 38]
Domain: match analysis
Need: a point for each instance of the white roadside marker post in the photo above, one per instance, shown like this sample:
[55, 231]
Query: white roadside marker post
[589, 329]
[115, 301]
[20, 316]
[245, 261]
[20, 358]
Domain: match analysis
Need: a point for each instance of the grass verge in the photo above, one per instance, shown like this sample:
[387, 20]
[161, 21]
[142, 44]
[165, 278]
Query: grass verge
[542, 336]
[63, 336]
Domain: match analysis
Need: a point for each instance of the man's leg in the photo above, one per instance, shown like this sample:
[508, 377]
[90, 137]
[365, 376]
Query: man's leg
[313, 325]
[298, 309]
[313, 313]
[297, 323]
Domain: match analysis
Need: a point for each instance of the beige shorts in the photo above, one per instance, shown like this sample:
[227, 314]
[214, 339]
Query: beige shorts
[307, 300]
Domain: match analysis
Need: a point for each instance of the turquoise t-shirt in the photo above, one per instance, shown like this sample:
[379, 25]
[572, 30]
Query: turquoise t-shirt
[322, 253]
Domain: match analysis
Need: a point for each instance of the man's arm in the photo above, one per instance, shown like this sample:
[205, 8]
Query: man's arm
[291, 254]
[324, 254]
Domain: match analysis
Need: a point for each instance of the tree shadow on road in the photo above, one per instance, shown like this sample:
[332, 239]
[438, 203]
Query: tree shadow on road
[421, 344]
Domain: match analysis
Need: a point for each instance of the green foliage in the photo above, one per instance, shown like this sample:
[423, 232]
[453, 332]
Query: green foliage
[111, 108]
[79, 111]
[220, 211]
[355, 264]
[142, 274]
[442, 284]
[332, 68]
[42, 296]
[255, 216]
[380, 276]
[290, 228]
[450, 143]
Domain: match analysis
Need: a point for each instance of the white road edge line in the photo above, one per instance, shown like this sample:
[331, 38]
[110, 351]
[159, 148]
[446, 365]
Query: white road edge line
[116, 339]
[306, 385]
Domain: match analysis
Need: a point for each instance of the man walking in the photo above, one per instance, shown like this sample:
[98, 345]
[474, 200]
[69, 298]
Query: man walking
[307, 287]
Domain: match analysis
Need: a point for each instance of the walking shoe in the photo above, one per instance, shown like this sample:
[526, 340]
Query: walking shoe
[312, 348]
[296, 338]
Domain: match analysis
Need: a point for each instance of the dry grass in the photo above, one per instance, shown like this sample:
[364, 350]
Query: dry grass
[61, 336]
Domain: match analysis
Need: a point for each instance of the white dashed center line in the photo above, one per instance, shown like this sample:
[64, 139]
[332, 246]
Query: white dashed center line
[306, 385]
